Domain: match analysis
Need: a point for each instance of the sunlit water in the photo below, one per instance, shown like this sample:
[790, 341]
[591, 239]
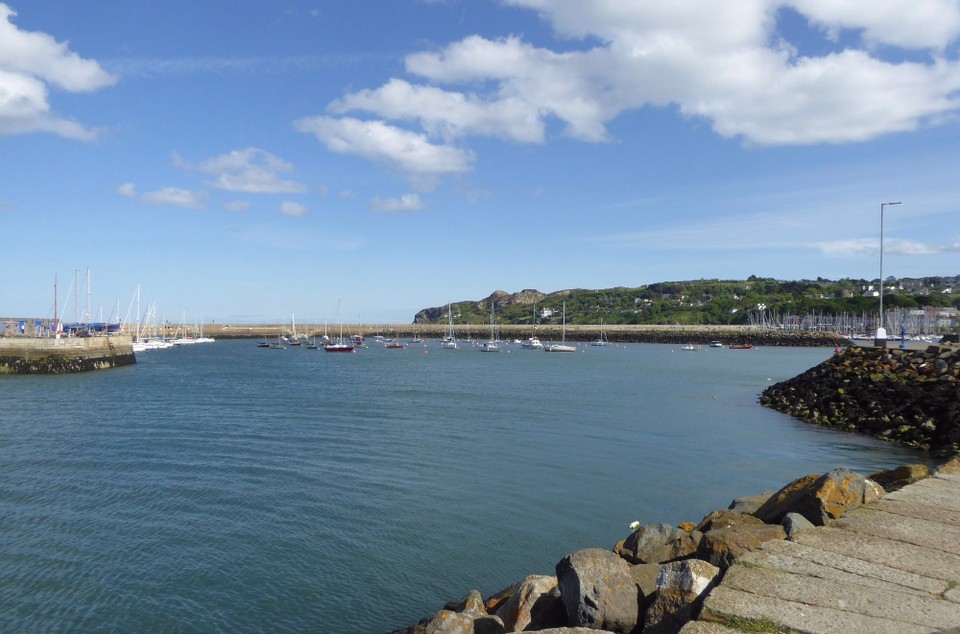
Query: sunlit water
[224, 487]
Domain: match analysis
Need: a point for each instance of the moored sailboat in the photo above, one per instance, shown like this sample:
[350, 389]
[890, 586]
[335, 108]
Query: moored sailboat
[562, 346]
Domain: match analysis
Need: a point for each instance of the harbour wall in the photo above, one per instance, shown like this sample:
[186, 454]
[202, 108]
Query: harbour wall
[669, 334]
[28, 355]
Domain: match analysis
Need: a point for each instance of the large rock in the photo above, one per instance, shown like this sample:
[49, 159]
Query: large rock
[723, 546]
[894, 479]
[516, 613]
[749, 503]
[469, 616]
[820, 498]
[680, 588]
[657, 543]
[598, 590]
[726, 519]
[548, 612]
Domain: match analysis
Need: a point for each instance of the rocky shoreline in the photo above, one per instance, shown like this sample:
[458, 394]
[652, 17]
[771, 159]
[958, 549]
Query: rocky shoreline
[908, 396]
[656, 579]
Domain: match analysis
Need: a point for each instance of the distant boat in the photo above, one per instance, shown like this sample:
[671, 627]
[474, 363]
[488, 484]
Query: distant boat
[602, 340]
[716, 344]
[340, 346]
[294, 340]
[395, 343]
[689, 347]
[532, 344]
[493, 345]
[278, 345]
[561, 347]
[741, 346]
[450, 341]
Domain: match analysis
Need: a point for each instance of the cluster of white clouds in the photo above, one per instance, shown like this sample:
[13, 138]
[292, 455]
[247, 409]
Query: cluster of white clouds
[890, 67]
[726, 63]
[29, 62]
[248, 171]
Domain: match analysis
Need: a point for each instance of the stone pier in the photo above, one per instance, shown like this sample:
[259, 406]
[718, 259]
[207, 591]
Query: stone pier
[28, 355]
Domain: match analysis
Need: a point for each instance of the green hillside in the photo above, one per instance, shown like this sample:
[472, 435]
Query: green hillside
[708, 302]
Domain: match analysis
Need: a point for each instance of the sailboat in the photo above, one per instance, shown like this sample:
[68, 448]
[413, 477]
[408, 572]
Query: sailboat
[279, 344]
[450, 341]
[395, 344]
[533, 343]
[493, 345]
[339, 346]
[294, 340]
[602, 340]
[561, 347]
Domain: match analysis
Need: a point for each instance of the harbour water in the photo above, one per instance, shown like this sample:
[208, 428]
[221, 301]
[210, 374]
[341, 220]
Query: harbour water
[225, 487]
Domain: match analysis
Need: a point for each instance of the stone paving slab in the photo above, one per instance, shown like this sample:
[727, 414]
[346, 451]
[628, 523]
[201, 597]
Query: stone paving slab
[930, 611]
[892, 567]
[871, 521]
[728, 602]
[939, 491]
[813, 562]
[926, 562]
[919, 511]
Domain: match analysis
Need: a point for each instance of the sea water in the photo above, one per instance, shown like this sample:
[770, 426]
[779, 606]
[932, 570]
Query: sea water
[225, 487]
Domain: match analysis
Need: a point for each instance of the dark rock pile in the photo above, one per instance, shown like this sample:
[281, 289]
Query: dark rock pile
[908, 396]
[655, 580]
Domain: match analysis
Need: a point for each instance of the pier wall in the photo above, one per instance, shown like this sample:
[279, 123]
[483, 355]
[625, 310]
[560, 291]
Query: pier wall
[27, 355]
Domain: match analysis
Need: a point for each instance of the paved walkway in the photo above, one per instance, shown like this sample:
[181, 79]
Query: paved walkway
[891, 567]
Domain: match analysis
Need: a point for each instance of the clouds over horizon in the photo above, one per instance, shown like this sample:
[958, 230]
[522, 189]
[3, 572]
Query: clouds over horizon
[250, 170]
[167, 197]
[726, 63]
[29, 62]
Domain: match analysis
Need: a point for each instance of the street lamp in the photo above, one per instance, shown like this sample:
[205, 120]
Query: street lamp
[881, 331]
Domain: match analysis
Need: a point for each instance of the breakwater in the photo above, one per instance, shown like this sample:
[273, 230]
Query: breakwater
[668, 334]
[907, 396]
[28, 355]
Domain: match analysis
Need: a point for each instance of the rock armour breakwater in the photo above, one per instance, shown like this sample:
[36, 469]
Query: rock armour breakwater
[20, 355]
[907, 396]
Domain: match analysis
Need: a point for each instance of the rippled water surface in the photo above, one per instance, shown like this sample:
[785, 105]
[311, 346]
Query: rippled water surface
[224, 487]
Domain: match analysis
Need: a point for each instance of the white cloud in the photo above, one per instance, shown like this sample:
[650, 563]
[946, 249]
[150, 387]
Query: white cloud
[410, 154]
[292, 209]
[725, 62]
[127, 189]
[448, 115]
[894, 246]
[930, 24]
[249, 170]
[29, 61]
[404, 204]
[237, 205]
[167, 197]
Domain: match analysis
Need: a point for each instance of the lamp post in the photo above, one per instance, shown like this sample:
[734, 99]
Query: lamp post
[881, 338]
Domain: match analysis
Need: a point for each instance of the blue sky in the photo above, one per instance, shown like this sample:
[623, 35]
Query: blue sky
[245, 161]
